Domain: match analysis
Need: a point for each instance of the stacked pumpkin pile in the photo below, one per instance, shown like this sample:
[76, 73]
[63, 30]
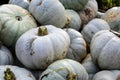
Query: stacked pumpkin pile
[59, 40]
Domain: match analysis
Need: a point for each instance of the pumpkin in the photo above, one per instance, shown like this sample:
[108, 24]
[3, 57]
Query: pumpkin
[107, 75]
[105, 50]
[90, 67]
[77, 49]
[14, 22]
[65, 69]
[112, 16]
[22, 3]
[89, 12]
[100, 14]
[74, 19]
[48, 12]
[9, 72]
[39, 47]
[93, 27]
[74, 4]
[6, 57]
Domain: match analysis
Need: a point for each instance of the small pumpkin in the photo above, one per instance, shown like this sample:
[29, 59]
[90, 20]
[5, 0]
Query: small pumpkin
[112, 16]
[65, 69]
[39, 47]
[48, 12]
[107, 75]
[22, 3]
[93, 27]
[89, 12]
[77, 49]
[74, 19]
[74, 4]
[14, 22]
[6, 57]
[90, 67]
[105, 50]
[9, 72]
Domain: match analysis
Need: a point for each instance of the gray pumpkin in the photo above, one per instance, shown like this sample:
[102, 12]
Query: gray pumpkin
[105, 50]
[65, 69]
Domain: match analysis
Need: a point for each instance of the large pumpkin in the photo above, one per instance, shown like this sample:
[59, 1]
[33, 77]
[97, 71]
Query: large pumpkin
[39, 47]
[112, 16]
[21, 3]
[48, 12]
[77, 49]
[105, 50]
[14, 22]
[9, 72]
[6, 57]
[74, 4]
[65, 69]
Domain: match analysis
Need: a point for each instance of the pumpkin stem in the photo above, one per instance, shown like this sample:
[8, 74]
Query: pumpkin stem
[67, 22]
[116, 33]
[70, 76]
[9, 75]
[18, 18]
[42, 31]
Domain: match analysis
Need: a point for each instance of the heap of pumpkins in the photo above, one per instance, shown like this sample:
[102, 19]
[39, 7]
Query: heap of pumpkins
[59, 40]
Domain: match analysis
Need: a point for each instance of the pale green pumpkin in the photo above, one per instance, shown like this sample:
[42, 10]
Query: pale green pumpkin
[65, 69]
[74, 4]
[21, 3]
[14, 22]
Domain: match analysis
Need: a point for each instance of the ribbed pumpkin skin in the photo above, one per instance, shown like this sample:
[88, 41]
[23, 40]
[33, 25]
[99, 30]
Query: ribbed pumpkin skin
[48, 12]
[37, 52]
[22, 3]
[93, 27]
[6, 57]
[77, 50]
[74, 4]
[18, 73]
[74, 20]
[14, 22]
[105, 49]
[112, 16]
[65, 69]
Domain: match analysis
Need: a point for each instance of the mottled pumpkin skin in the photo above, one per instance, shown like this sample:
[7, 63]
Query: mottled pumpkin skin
[22, 3]
[48, 12]
[74, 4]
[37, 52]
[112, 16]
[9, 72]
[77, 49]
[14, 22]
[65, 69]
[6, 57]
[105, 50]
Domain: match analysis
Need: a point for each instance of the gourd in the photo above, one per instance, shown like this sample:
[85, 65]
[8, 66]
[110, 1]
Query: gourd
[112, 16]
[22, 3]
[65, 69]
[6, 57]
[77, 49]
[105, 49]
[9, 72]
[74, 19]
[48, 12]
[89, 12]
[107, 75]
[93, 27]
[90, 67]
[14, 22]
[74, 4]
[39, 47]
